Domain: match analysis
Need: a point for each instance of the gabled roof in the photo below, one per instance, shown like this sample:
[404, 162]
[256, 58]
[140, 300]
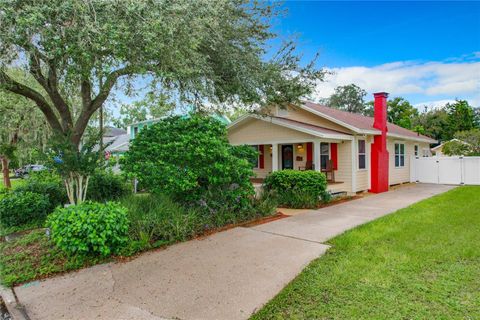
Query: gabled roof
[295, 125]
[359, 123]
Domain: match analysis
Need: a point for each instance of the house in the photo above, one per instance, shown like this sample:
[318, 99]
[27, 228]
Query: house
[438, 150]
[135, 128]
[363, 153]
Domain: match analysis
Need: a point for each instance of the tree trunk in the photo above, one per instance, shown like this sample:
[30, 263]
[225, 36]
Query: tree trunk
[6, 173]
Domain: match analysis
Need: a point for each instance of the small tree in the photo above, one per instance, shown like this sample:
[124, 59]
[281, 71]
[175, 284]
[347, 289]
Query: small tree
[190, 159]
[73, 165]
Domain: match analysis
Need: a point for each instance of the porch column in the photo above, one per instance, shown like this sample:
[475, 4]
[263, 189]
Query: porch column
[316, 155]
[274, 157]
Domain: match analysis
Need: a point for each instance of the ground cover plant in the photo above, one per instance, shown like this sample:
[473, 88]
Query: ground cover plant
[422, 262]
[298, 189]
[35, 256]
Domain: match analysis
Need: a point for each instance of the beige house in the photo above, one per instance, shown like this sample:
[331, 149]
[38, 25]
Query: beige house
[356, 152]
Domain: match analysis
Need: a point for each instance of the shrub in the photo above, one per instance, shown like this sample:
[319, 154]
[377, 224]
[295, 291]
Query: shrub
[156, 218]
[45, 183]
[190, 159]
[298, 189]
[107, 186]
[89, 228]
[18, 208]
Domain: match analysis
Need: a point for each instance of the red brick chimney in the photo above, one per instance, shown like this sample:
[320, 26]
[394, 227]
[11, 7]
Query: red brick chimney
[379, 163]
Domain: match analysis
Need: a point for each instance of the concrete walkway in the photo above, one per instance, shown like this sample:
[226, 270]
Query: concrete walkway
[225, 276]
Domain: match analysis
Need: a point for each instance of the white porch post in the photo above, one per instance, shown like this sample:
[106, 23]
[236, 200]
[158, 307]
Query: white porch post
[354, 164]
[316, 155]
[274, 157]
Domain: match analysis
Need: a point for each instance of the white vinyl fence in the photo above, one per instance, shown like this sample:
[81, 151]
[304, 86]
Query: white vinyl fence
[445, 170]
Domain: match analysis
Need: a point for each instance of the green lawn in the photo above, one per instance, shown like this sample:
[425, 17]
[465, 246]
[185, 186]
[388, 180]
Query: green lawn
[15, 182]
[423, 262]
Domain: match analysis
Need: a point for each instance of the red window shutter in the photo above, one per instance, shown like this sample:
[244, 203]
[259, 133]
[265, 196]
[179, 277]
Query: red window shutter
[261, 160]
[334, 155]
[309, 151]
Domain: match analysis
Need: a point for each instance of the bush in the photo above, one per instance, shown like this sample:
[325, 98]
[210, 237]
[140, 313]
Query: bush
[89, 228]
[107, 186]
[190, 159]
[45, 183]
[18, 208]
[156, 218]
[298, 189]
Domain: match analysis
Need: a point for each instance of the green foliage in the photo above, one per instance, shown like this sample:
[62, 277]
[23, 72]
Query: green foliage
[460, 117]
[190, 159]
[45, 183]
[104, 185]
[17, 208]
[401, 112]
[35, 256]
[153, 106]
[89, 228]
[214, 54]
[298, 189]
[157, 218]
[349, 98]
[466, 143]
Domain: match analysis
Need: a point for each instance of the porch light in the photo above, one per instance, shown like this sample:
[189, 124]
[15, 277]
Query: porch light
[300, 147]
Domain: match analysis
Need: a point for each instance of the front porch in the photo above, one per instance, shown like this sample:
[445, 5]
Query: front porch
[326, 155]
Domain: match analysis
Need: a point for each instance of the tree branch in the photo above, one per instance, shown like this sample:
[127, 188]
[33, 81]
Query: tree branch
[15, 87]
[50, 85]
[89, 108]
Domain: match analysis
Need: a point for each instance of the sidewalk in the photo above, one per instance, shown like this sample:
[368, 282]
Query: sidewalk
[225, 276]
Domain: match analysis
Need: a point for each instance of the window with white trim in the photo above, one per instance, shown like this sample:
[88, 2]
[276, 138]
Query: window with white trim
[362, 155]
[324, 154]
[256, 162]
[399, 155]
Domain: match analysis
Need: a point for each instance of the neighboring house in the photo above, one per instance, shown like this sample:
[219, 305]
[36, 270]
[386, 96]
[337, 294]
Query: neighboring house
[135, 128]
[116, 140]
[364, 153]
[438, 150]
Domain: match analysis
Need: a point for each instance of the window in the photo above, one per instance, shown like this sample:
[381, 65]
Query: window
[135, 131]
[399, 155]
[256, 161]
[324, 154]
[362, 159]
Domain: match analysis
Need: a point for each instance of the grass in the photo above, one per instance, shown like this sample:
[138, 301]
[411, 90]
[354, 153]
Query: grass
[423, 262]
[34, 256]
[14, 182]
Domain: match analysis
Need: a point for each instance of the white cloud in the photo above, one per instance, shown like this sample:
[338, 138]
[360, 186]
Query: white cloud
[428, 81]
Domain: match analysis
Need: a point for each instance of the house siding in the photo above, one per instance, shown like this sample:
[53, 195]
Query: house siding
[257, 131]
[307, 117]
[402, 174]
[344, 172]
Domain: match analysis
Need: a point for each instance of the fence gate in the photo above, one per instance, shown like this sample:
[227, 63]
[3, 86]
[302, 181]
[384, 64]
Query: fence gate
[445, 170]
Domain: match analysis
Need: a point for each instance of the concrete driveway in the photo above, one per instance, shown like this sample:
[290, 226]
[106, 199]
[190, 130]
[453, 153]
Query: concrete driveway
[225, 276]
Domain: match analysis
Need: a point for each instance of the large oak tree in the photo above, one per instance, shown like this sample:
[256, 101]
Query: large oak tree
[204, 52]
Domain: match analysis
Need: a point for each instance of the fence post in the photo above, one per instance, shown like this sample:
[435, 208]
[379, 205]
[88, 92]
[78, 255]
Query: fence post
[462, 175]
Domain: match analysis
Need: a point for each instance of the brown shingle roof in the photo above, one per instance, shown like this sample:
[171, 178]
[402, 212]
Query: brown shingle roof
[309, 126]
[360, 121]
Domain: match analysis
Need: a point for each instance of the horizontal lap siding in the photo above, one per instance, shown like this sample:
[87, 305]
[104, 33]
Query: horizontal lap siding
[401, 175]
[344, 172]
[307, 117]
[257, 131]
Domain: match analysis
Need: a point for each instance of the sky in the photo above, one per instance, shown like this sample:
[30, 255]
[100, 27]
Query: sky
[426, 52]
